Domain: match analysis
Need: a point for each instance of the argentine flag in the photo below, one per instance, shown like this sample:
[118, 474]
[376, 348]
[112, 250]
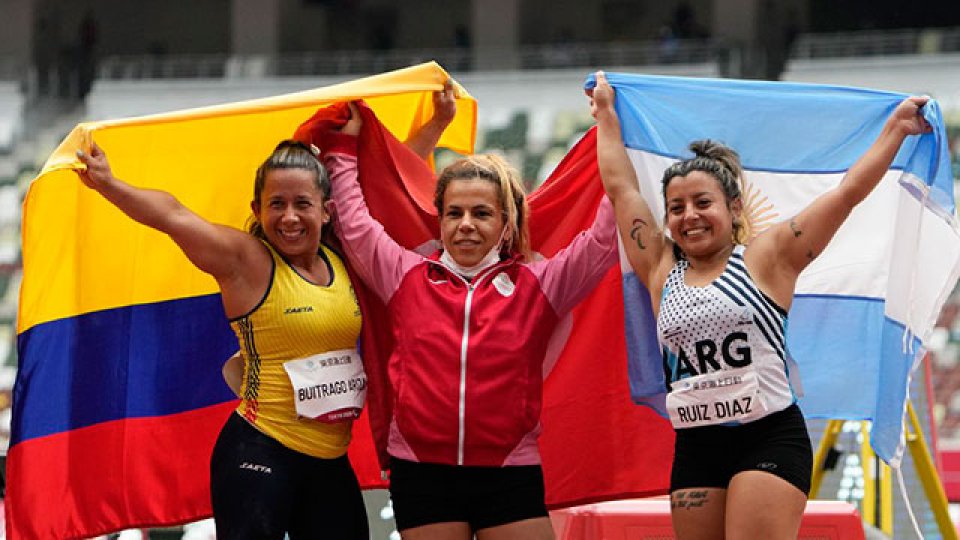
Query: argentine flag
[865, 307]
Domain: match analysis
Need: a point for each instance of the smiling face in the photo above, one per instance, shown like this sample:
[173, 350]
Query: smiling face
[472, 221]
[698, 215]
[292, 211]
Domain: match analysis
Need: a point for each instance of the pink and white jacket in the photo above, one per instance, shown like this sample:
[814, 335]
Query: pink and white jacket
[466, 368]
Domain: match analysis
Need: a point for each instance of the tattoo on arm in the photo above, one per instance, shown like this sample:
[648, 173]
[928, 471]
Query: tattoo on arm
[635, 232]
[796, 234]
[795, 228]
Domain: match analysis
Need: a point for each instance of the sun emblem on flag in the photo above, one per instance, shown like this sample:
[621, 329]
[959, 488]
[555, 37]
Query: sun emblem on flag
[758, 212]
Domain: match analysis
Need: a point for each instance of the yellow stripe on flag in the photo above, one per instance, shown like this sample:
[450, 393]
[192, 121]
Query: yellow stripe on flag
[81, 254]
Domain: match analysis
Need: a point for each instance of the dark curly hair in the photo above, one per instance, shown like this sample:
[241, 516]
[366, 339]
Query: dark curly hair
[719, 161]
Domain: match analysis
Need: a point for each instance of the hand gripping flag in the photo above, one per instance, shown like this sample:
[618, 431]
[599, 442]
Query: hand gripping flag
[119, 397]
[865, 307]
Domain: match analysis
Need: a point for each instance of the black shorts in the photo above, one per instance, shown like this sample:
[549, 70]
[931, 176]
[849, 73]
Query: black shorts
[263, 490]
[710, 456]
[483, 497]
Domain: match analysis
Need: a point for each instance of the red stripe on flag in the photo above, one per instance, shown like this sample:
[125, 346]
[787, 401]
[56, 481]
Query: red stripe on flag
[597, 445]
[143, 472]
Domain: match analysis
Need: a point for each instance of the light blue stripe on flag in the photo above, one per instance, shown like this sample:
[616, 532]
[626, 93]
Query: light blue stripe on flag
[775, 126]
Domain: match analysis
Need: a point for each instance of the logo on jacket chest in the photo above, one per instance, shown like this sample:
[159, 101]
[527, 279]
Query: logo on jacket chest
[503, 284]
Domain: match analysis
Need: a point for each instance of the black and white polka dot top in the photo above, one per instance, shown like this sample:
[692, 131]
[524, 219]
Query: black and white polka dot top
[727, 325]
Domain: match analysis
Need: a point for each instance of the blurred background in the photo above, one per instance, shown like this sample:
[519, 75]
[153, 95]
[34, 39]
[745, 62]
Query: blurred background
[524, 60]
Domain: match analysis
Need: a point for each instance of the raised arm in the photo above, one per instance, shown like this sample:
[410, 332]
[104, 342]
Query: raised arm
[379, 261]
[215, 249]
[790, 246]
[424, 141]
[643, 240]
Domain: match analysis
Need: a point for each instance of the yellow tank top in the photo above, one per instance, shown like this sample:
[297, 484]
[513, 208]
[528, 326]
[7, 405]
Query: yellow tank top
[295, 319]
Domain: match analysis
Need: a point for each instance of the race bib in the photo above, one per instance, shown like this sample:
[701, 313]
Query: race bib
[328, 387]
[716, 398]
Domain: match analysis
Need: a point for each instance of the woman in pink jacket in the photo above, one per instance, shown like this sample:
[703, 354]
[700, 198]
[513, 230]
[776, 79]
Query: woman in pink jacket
[471, 324]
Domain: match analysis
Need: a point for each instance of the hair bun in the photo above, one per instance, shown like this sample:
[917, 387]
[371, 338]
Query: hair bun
[726, 156]
[707, 148]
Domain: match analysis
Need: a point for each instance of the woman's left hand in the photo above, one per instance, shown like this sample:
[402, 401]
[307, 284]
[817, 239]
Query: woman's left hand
[908, 116]
[97, 175]
[445, 104]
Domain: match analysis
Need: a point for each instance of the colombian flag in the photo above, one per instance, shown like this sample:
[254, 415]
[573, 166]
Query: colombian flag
[119, 396]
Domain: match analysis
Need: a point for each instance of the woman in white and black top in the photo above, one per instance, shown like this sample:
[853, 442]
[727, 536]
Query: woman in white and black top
[742, 460]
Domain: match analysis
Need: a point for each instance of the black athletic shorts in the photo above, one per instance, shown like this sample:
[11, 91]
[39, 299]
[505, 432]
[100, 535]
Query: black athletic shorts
[483, 497]
[710, 456]
[261, 490]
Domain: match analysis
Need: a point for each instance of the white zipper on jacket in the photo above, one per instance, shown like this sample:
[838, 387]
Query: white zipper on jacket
[464, 343]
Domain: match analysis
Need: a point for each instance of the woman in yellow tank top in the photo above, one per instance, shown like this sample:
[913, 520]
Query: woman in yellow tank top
[279, 466]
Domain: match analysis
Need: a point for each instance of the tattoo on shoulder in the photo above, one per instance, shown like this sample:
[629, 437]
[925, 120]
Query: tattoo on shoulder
[795, 228]
[689, 499]
[635, 232]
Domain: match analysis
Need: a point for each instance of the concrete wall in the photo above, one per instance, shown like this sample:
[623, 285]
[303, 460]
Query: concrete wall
[541, 93]
[935, 75]
[17, 36]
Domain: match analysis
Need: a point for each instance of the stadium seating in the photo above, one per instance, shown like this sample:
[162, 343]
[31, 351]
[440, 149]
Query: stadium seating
[11, 114]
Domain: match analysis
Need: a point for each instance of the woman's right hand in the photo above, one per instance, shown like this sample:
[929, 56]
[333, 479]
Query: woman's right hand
[98, 174]
[602, 96]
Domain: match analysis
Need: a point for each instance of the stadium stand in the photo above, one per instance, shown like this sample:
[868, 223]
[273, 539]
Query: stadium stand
[11, 114]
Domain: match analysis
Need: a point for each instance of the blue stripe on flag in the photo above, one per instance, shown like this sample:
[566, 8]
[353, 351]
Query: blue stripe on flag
[836, 124]
[895, 365]
[644, 357]
[663, 114]
[133, 361]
